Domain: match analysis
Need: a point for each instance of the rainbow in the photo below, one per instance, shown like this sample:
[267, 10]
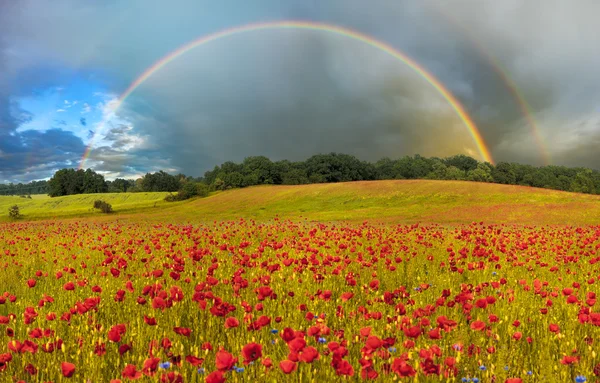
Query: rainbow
[454, 103]
[518, 97]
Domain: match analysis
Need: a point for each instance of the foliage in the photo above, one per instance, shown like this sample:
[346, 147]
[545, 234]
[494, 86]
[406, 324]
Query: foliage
[33, 187]
[334, 167]
[189, 189]
[103, 206]
[160, 181]
[14, 212]
[71, 181]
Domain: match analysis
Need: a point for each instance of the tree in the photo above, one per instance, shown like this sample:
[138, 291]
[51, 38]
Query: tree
[482, 173]
[160, 181]
[71, 181]
[464, 163]
[583, 182]
[504, 173]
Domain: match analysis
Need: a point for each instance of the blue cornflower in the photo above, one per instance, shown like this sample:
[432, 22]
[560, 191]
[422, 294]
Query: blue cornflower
[529, 372]
[273, 341]
[417, 289]
[274, 331]
[580, 379]
[165, 365]
[475, 380]
[201, 370]
[465, 380]
[239, 370]
[505, 368]
[494, 273]
[322, 340]
[482, 368]
[392, 349]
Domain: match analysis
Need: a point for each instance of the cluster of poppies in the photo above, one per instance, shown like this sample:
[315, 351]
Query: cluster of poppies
[234, 301]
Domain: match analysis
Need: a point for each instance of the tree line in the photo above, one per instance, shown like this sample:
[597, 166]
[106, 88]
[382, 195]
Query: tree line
[320, 168]
[336, 167]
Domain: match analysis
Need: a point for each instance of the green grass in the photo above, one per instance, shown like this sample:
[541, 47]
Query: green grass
[44, 207]
[401, 201]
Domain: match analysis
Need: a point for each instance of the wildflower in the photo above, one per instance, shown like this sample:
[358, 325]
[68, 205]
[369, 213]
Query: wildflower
[322, 340]
[580, 379]
[165, 365]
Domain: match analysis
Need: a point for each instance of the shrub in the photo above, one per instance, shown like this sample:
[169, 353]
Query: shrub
[14, 212]
[103, 206]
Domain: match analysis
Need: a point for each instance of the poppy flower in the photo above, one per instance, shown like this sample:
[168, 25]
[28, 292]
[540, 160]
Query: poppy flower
[215, 377]
[224, 360]
[130, 372]
[68, 369]
[251, 352]
[182, 331]
[287, 366]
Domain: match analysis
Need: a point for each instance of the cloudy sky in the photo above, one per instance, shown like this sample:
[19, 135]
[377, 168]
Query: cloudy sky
[292, 93]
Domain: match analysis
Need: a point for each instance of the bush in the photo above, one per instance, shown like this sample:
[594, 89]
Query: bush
[187, 191]
[14, 212]
[103, 206]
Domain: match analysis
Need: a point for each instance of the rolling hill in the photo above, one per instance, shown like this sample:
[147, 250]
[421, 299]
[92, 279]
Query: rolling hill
[398, 201]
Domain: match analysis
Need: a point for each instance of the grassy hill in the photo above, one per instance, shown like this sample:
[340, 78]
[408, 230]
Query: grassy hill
[398, 201]
[401, 201]
[42, 206]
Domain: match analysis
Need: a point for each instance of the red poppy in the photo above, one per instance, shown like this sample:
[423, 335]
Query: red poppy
[287, 366]
[224, 360]
[130, 372]
[182, 331]
[251, 352]
[215, 377]
[231, 322]
[194, 361]
[68, 369]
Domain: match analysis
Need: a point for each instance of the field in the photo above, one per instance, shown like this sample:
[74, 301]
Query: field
[44, 207]
[403, 201]
[160, 299]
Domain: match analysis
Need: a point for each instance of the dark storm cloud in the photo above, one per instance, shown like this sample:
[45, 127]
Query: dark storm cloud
[291, 94]
[32, 154]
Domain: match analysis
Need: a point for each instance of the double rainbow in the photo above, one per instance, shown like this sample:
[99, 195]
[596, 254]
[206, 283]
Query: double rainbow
[443, 91]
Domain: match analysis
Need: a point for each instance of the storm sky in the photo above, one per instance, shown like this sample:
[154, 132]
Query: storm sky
[292, 93]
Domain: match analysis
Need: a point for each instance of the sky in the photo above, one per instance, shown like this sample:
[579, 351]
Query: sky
[292, 93]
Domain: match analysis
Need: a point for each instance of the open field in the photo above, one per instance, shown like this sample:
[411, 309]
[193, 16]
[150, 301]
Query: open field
[44, 207]
[403, 201]
[165, 295]
[297, 302]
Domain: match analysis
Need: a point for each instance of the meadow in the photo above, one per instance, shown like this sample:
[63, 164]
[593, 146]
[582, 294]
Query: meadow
[396, 201]
[186, 295]
[81, 205]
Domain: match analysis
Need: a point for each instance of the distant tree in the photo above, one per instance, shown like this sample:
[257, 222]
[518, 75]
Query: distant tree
[160, 182]
[503, 173]
[384, 169]
[482, 173]
[71, 181]
[583, 182]
[464, 163]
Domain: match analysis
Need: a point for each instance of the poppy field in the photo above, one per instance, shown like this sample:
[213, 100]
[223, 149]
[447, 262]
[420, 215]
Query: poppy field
[286, 301]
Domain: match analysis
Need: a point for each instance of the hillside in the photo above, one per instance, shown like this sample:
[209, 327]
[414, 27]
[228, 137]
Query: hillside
[402, 201]
[42, 206]
[399, 201]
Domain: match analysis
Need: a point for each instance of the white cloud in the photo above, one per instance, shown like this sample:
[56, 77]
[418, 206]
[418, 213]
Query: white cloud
[60, 110]
[86, 108]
